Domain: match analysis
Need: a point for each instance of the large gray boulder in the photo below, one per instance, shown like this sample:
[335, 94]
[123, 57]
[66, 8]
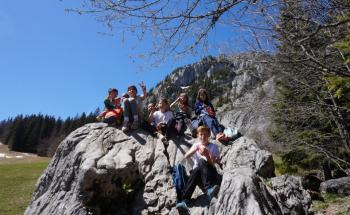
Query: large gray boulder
[339, 185]
[101, 170]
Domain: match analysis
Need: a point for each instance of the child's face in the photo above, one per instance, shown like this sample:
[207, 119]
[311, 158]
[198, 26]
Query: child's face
[132, 92]
[203, 137]
[151, 107]
[202, 96]
[162, 106]
[182, 99]
[113, 94]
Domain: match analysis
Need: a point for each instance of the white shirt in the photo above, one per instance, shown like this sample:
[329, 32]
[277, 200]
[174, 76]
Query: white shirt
[212, 148]
[160, 117]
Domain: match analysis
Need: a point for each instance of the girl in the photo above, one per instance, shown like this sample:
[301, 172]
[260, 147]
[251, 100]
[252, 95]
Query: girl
[183, 112]
[113, 111]
[206, 113]
[162, 119]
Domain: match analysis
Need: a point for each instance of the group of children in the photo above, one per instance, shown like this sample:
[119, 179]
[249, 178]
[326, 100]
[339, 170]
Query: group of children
[127, 111]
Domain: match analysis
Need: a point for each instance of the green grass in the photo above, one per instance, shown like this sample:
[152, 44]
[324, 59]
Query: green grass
[17, 182]
[329, 199]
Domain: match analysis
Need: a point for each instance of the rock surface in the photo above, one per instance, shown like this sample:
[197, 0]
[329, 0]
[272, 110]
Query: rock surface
[339, 185]
[101, 170]
[246, 84]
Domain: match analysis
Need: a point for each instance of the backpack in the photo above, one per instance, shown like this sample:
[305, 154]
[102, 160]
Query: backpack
[179, 177]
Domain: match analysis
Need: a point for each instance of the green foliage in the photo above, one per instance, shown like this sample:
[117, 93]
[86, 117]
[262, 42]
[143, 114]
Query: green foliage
[311, 111]
[340, 88]
[17, 183]
[328, 200]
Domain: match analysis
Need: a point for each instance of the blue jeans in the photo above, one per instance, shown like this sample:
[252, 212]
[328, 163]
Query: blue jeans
[213, 124]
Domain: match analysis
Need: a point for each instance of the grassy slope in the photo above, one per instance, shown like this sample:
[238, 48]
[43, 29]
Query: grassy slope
[17, 181]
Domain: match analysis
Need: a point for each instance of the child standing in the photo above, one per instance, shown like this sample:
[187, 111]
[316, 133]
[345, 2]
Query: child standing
[206, 113]
[133, 107]
[162, 119]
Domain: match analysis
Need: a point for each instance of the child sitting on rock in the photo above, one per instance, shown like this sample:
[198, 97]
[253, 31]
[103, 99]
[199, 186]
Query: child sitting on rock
[182, 113]
[206, 114]
[162, 120]
[133, 107]
[204, 155]
[113, 111]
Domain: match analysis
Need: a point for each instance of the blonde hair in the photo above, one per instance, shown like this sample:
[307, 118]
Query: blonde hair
[202, 128]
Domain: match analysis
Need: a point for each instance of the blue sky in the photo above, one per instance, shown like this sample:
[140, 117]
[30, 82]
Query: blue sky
[56, 63]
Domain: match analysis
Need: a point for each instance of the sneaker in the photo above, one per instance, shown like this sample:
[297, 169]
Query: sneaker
[212, 191]
[221, 137]
[182, 205]
[125, 127]
[99, 118]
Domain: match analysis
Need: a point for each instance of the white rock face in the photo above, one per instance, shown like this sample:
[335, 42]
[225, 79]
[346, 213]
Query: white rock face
[248, 90]
[101, 170]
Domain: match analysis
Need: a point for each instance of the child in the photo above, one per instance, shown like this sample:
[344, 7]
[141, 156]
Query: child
[184, 112]
[113, 112]
[204, 155]
[206, 113]
[133, 107]
[162, 119]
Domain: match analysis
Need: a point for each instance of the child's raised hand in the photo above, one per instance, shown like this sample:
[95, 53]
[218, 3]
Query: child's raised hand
[142, 85]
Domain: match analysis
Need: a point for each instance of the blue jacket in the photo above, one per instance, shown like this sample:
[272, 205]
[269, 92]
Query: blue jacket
[200, 109]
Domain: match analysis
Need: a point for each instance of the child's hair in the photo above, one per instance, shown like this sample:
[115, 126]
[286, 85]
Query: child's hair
[111, 90]
[202, 128]
[200, 91]
[165, 102]
[185, 96]
[132, 87]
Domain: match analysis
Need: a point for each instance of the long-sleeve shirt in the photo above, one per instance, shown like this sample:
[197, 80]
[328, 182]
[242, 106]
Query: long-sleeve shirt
[110, 105]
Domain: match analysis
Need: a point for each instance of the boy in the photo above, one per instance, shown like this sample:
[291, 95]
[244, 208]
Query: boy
[133, 107]
[204, 155]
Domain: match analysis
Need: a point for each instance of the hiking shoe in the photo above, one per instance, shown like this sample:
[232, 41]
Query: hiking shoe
[125, 127]
[99, 118]
[212, 191]
[182, 205]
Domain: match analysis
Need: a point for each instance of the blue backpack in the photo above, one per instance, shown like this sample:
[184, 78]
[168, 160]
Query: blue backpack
[179, 179]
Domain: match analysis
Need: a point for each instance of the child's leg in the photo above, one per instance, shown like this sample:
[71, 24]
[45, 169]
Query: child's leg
[192, 182]
[209, 122]
[103, 114]
[133, 109]
[170, 128]
[127, 111]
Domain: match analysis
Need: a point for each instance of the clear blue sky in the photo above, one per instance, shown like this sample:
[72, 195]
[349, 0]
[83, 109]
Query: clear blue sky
[56, 63]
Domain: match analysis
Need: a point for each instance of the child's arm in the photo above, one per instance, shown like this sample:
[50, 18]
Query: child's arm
[144, 92]
[150, 116]
[191, 152]
[109, 105]
[172, 104]
[198, 107]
